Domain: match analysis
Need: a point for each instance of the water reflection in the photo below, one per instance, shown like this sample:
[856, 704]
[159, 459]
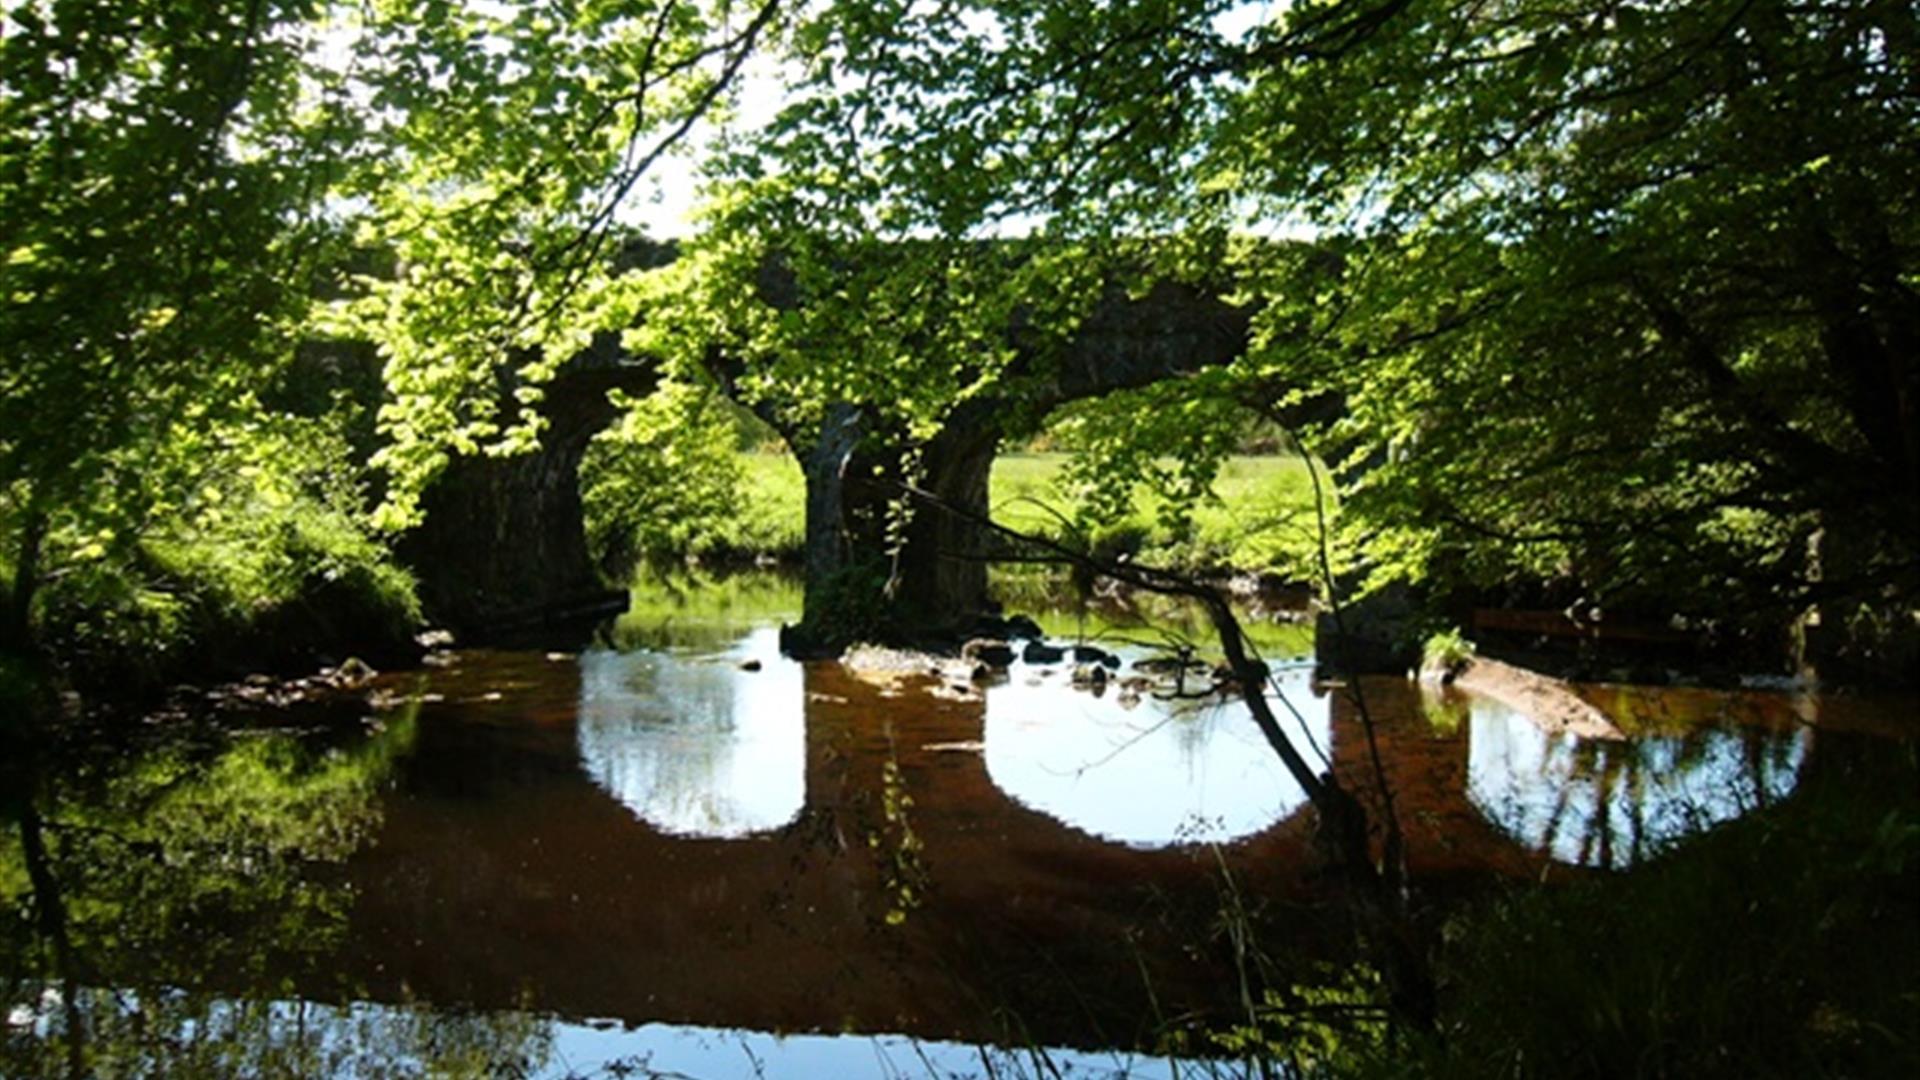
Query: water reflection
[457, 892]
[197, 1035]
[1158, 773]
[193, 862]
[695, 745]
[172, 1032]
[1613, 803]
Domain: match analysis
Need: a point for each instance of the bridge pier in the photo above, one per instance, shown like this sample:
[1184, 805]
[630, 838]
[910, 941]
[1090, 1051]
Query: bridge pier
[865, 579]
[503, 545]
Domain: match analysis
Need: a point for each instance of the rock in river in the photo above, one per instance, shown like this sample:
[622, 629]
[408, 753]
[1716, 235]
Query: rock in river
[988, 651]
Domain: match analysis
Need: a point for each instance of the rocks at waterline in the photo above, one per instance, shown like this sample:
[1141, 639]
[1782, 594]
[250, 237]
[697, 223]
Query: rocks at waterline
[1093, 654]
[990, 651]
[1039, 652]
[1091, 676]
[1007, 628]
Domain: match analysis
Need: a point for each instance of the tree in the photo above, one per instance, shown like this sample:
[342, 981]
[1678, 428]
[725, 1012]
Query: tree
[1618, 298]
[1636, 308]
[183, 185]
[158, 165]
[516, 143]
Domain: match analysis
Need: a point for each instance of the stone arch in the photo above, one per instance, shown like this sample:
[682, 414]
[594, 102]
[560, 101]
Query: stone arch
[503, 544]
[939, 571]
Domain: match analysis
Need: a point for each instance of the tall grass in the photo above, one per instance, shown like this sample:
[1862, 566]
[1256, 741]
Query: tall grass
[1786, 943]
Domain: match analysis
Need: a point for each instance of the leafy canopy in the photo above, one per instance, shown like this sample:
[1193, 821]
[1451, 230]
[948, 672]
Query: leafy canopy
[1617, 294]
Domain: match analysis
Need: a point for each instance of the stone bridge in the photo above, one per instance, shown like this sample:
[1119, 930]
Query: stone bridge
[503, 543]
[940, 571]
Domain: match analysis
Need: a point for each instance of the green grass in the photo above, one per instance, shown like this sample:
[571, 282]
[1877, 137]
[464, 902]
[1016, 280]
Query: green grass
[1261, 518]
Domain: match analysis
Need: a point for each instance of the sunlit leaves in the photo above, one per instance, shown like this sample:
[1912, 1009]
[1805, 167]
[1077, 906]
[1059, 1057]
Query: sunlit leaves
[513, 136]
[158, 164]
[660, 479]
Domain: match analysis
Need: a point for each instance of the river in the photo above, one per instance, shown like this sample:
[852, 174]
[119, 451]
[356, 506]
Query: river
[664, 849]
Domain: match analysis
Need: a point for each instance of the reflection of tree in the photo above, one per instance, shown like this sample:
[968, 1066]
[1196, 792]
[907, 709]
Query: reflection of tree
[162, 1032]
[674, 613]
[159, 910]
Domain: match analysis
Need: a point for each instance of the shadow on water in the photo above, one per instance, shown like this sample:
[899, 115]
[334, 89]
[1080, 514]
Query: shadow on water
[646, 857]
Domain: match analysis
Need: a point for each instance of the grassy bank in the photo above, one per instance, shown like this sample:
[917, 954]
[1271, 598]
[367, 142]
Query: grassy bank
[1261, 518]
[262, 562]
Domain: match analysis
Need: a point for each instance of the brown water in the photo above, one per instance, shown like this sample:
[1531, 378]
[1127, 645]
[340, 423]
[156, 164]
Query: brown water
[644, 856]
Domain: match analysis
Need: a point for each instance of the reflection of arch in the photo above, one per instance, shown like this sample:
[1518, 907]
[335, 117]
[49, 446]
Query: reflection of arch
[696, 746]
[1151, 776]
[1609, 802]
[500, 833]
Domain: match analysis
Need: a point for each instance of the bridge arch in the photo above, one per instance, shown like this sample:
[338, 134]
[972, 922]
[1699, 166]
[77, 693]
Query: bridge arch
[503, 543]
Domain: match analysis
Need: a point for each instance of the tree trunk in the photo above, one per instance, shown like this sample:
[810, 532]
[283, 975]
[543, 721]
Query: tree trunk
[825, 467]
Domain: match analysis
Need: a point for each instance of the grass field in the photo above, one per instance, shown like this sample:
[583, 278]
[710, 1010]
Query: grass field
[1261, 517]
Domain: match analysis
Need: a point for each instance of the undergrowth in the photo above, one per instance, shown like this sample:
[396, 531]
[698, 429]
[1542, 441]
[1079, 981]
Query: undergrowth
[1782, 944]
[263, 562]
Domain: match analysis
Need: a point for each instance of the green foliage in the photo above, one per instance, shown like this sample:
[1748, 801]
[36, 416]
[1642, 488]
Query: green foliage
[1328, 1027]
[662, 481]
[1618, 299]
[150, 155]
[771, 516]
[1622, 271]
[1446, 651]
[1164, 438]
[266, 561]
[512, 136]
[157, 166]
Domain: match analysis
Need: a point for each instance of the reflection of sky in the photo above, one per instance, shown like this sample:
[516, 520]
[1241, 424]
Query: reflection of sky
[1158, 774]
[1610, 803]
[368, 1039]
[720, 1054]
[693, 745]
